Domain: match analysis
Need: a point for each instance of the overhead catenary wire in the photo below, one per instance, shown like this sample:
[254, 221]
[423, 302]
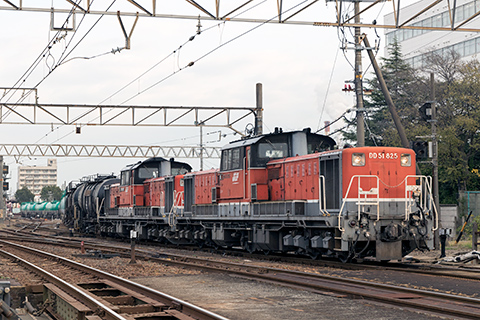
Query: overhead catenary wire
[39, 58]
[342, 116]
[60, 60]
[156, 64]
[190, 64]
[328, 88]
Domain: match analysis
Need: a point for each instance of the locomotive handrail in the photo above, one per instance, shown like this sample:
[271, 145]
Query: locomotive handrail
[322, 197]
[358, 198]
[171, 215]
[427, 181]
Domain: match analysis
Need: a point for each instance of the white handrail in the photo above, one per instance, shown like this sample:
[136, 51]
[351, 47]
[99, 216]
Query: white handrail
[427, 181]
[322, 198]
[358, 198]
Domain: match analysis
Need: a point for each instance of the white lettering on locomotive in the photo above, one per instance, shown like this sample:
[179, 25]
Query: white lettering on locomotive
[383, 155]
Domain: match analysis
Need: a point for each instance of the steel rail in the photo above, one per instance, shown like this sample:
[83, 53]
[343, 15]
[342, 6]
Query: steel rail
[77, 293]
[422, 300]
[426, 269]
[421, 268]
[186, 307]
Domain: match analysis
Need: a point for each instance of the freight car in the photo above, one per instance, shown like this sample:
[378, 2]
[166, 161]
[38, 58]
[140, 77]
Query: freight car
[278, 192]
[42, 210]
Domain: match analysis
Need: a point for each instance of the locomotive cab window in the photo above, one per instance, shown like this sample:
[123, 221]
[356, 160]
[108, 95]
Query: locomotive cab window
[146, 171]
[317, 143]
[232, 159]
[270, 148]
[273, 150]
[125, 178]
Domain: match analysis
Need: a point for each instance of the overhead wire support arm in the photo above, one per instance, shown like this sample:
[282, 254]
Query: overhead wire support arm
[129, 36]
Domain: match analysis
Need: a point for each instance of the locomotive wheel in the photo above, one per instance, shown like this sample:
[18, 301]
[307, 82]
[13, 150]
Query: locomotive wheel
[344, 257]
[248, 247]
[314, 255]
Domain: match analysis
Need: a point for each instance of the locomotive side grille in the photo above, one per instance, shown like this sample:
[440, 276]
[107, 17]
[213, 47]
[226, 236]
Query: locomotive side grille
[214, 194]
[254, 192]
[330, 169]
[189, 193]
[169, 191]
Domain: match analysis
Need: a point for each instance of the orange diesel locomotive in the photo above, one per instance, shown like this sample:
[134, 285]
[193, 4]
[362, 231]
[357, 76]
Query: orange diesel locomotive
[278, 192]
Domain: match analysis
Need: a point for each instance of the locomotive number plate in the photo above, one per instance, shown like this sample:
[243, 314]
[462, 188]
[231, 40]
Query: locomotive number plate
[383, 155]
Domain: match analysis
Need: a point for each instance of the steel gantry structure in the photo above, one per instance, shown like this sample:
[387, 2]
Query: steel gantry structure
[121, 115]
[281, 15]
[122, 151]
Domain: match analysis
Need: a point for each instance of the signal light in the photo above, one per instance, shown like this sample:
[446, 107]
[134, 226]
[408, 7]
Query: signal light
[5, 186]
[420, 148]
[426, 111]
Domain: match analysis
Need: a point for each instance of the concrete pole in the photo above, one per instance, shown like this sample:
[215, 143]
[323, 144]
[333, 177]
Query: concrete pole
[359, 80]
[259, 110]
[2, 200]
[201, 146]
[435, 156]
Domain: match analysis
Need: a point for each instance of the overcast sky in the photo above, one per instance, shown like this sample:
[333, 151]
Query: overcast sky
[301, 68]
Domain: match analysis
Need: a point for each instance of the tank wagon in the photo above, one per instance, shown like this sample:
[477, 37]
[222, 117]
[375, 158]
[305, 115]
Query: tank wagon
[43, 210]
[277, 192]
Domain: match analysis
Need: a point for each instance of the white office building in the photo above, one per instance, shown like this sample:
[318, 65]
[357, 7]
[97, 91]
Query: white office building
[37, 177]
[416, 43]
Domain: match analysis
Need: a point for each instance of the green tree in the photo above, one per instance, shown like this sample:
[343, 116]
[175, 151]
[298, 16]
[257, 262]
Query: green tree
[24, 195]
[51, 193]
[459, 162]
[406, 88]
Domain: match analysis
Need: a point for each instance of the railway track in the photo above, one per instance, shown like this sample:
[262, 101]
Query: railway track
[422, 300]
[83, 292]
[417, 268]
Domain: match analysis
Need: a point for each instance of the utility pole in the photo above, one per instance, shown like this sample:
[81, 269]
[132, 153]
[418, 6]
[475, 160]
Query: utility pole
[259, 110]
[201, 145]
[435, 156]
[2, 201]
[359, 79]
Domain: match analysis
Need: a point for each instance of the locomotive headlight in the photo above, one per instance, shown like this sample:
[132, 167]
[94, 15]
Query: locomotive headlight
[358, 159]
[405, 160]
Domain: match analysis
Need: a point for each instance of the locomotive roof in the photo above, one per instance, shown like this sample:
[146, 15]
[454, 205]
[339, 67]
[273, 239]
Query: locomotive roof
[254, 140]
[154, 160]
[139, 163]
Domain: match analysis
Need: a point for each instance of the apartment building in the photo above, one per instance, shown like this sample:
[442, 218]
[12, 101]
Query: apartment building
[416, 44]
[37, 177]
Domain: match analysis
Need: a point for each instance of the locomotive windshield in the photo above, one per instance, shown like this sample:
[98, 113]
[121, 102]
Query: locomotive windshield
[273, 150]
[147, 173]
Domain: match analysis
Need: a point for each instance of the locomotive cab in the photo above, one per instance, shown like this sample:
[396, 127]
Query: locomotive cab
[243, 170]
[129, 194]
